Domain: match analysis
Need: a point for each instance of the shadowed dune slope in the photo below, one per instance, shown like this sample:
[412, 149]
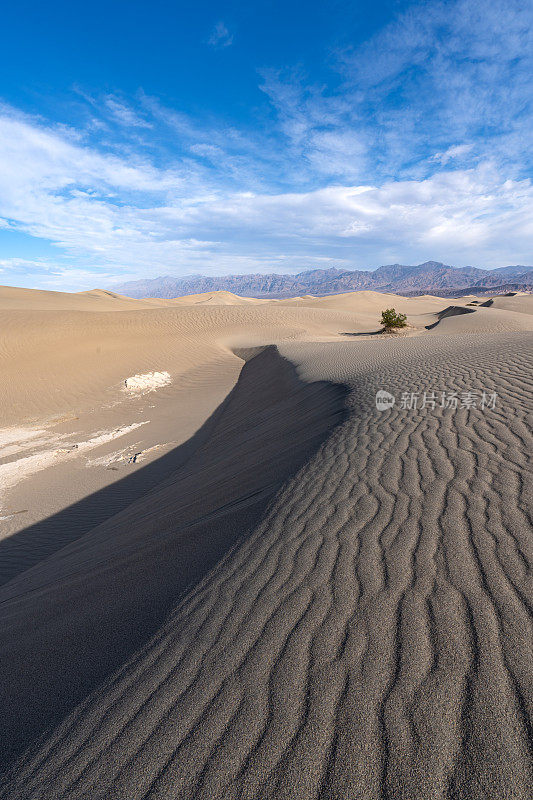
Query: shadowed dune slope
[521, 303]
[481, 320]
[450, 311]
[79, 612]
[368, 637]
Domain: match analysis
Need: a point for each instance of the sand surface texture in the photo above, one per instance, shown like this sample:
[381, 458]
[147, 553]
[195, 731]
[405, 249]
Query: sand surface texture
[295, 594]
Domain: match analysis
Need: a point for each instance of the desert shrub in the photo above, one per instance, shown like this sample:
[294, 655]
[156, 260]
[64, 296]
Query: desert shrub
[390, 319]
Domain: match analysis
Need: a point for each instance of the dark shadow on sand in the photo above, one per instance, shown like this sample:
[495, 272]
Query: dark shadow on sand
[362, 333]
[28, 547]
[450, 311]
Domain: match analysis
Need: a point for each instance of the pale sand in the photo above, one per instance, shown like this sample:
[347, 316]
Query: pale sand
[297, 596]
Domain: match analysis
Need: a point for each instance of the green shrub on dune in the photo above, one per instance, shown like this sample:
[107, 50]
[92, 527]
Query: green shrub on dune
[390, 319]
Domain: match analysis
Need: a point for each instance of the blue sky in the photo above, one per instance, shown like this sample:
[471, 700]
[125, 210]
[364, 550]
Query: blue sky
[173, 138]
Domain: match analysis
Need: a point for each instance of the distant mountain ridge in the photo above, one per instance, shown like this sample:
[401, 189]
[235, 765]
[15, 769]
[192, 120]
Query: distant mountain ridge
[432, 277]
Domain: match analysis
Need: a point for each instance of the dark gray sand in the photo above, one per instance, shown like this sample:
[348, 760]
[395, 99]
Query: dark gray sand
[324, 601]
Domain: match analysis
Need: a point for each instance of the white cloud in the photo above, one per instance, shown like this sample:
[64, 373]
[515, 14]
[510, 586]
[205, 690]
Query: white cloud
[455, 152]
[34, 155]
[114, 219]
[18, 263]
[220, 37]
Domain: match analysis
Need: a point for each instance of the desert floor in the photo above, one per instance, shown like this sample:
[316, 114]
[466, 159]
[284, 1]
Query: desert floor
[225, 573]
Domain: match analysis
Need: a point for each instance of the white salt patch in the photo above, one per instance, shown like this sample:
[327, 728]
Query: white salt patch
[147, 382]
[119, 456]
[14, 439]
[10, 435]
[107, 436]
[129, 455]
[15, 471]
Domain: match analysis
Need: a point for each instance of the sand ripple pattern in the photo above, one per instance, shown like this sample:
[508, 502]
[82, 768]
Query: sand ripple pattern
[372, 639]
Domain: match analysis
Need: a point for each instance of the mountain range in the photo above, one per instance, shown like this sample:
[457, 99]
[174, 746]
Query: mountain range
[432, 277]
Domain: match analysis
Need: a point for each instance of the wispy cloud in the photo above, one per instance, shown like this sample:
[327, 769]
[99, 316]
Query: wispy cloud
[220, 36]
[456, 152]
[124, 114]
[441, 74]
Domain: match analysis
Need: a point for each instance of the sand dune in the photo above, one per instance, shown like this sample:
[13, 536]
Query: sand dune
[522, 303]
[12, 298]
[65, 374]
[304, 597]
[485, 320]
[368, 301]
[218, 298]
